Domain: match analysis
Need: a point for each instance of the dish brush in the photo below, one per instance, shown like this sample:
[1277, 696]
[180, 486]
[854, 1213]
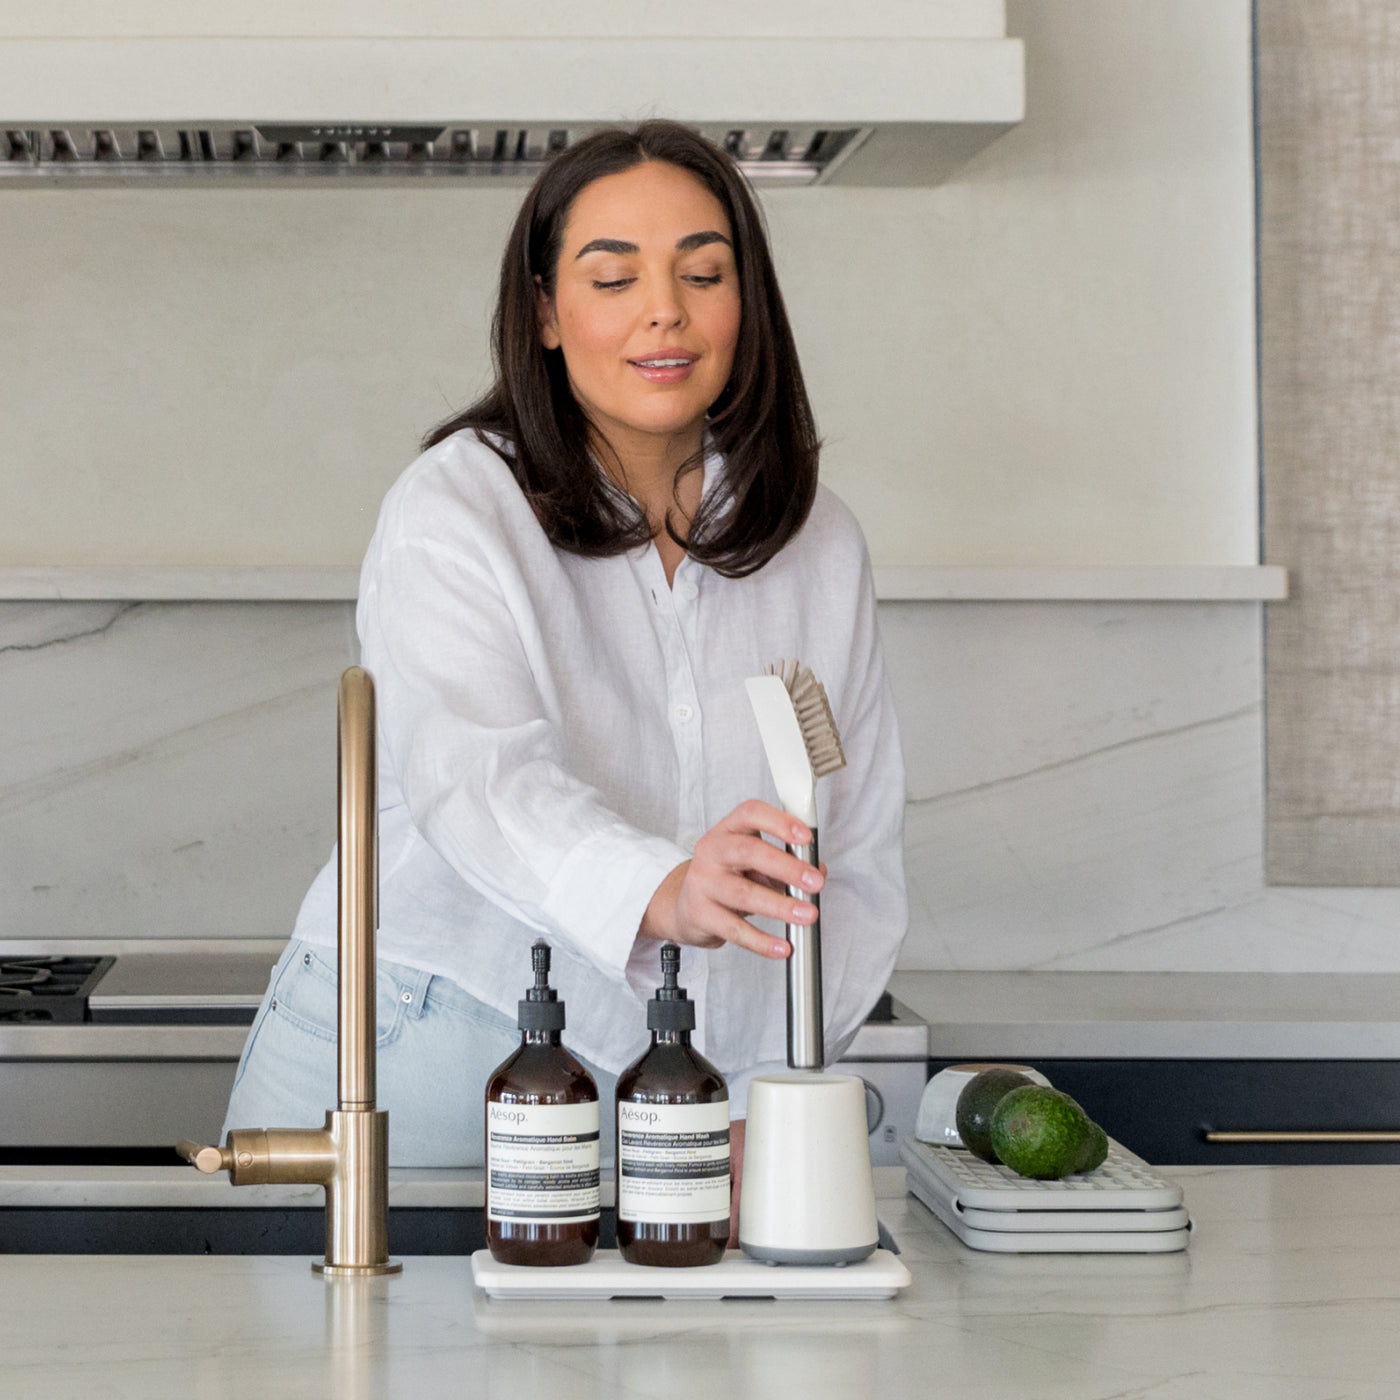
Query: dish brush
[802, 744]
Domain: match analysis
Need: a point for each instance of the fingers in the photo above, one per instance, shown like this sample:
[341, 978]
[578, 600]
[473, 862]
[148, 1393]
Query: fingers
[701, 919]
[756, 816]
[743, 852]
[743, 934]
[734, 873]
[749, 897]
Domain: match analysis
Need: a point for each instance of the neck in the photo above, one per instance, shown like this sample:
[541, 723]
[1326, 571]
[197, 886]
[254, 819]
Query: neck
[647, 466]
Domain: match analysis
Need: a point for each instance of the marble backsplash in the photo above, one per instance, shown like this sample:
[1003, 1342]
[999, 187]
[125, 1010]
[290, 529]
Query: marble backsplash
[1085, 782]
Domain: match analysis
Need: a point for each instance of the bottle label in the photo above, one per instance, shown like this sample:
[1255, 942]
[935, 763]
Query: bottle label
[673, 1162]
[542, 1163]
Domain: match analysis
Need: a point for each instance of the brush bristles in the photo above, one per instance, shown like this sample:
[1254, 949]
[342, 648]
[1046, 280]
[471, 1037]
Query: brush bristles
[814, 716]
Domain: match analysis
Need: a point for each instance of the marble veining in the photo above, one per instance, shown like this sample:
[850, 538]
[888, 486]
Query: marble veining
[1084, 780]
[1286, 1293]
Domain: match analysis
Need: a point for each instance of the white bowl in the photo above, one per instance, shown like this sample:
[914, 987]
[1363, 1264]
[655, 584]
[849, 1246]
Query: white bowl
[937, 1118]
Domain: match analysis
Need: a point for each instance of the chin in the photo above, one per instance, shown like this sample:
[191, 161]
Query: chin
[665, 425]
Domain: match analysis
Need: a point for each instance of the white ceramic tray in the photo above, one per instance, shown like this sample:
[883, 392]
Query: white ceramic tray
[1061, 1242]
[1058, 1221]
[1124, 1182]
[1122, 1208]
[735, 1276]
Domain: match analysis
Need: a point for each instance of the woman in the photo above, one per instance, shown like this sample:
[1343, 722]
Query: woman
[560, 603]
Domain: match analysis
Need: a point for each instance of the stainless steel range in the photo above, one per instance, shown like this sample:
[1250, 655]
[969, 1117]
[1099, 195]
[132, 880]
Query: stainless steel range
[48, 990]
[111, 1051]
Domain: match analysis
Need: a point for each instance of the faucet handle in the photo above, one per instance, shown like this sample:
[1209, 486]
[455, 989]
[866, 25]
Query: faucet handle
[205, 1159]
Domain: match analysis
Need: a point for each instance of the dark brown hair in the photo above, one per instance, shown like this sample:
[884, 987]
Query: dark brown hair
[762, 421]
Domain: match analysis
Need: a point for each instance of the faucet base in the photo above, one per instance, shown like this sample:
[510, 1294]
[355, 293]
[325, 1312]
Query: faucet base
[390, 1266]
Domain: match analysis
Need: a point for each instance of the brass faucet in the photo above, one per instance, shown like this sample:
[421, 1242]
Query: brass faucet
[350, 1155]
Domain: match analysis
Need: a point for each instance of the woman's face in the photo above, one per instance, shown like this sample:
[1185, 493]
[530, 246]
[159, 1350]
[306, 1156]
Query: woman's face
[646, 305]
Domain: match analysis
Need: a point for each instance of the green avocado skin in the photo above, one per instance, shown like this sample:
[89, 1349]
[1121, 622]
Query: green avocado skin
[1095, 1149]
[1040, 1133]
[978, 1100]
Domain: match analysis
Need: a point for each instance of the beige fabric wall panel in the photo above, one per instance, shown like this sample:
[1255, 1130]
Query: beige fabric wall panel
[1329, 111]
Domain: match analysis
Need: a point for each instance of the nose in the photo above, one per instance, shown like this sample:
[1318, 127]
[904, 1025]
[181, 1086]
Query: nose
[664, 305]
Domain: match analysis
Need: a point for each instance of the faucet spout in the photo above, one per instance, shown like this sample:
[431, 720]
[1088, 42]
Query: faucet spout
[350, 1155]
[358, 855]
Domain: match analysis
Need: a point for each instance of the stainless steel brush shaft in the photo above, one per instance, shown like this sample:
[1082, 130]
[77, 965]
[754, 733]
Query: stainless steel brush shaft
[806, 1042]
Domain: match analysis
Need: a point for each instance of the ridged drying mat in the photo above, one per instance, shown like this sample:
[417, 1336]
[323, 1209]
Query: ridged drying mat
[735, 1276]
[1123, 1207]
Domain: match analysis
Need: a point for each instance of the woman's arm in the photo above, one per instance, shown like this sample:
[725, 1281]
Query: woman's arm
[486, 779]
[482, 766]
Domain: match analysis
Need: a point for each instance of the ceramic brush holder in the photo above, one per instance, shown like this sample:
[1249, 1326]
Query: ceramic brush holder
[808, 1194]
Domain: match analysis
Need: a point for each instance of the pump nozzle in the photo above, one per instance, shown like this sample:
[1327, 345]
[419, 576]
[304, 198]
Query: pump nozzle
[670, 988]
[539, 961]
[670, 1009]
[541, 1010]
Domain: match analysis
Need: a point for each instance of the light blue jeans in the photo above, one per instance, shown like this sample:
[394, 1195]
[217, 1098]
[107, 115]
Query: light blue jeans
[436, 1047]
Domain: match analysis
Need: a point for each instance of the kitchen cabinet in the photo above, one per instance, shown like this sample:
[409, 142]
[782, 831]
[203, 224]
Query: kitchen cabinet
[1165, 1110]
[1162, 1058]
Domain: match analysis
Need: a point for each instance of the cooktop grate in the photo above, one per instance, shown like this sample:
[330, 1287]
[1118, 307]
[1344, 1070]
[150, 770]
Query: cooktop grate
[50, 990]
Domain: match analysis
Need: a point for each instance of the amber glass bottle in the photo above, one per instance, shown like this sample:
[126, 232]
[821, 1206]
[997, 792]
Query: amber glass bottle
[672, 1140]
[541, 1140]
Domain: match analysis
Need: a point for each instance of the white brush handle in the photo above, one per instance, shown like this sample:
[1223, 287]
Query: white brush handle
[785, 747]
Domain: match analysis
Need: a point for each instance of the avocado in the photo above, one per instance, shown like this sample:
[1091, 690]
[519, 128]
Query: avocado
[1040, 1132]
[1095, 1149]
[973, 1114]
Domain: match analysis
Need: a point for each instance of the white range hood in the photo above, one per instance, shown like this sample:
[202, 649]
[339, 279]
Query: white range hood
[868, 109]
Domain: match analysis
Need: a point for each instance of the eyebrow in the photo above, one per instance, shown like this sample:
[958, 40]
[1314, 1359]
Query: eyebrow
[683, 245]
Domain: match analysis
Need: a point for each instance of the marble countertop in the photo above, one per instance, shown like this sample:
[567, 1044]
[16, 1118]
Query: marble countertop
[1155, 1015]
[1288, 1292]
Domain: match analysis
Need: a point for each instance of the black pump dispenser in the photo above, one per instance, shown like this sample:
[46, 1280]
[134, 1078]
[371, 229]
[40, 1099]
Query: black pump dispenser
[541, 1135]
[673, 1198]
[542, 1010]
[669, 1009]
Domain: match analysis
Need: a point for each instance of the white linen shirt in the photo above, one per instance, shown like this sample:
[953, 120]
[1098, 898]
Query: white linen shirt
[556, 733]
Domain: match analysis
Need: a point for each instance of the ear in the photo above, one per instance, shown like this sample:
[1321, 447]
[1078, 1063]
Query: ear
[544, 314]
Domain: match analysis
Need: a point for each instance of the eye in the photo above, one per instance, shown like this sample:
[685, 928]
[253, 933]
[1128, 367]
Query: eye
[706, 281]
[616, 286]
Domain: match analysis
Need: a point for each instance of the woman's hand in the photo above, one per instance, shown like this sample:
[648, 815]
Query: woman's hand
[734, 872]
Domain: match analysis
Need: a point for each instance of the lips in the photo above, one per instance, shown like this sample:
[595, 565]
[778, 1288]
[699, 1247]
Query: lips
[665, 366]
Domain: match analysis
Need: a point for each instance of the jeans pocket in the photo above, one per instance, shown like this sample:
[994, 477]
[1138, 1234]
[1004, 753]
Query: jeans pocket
[307, 996]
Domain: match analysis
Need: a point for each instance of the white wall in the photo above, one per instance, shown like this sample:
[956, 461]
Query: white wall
[1049, 354]
[1046, 360]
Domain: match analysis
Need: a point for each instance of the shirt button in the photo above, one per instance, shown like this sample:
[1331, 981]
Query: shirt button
[684, 712]
[688, 591]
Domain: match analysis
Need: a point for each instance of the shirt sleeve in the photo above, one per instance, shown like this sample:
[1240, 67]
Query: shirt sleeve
[861, 835]
[481, 765]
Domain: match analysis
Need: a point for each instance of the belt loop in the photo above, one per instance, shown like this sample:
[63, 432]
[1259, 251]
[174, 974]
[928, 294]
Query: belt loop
[414, 993]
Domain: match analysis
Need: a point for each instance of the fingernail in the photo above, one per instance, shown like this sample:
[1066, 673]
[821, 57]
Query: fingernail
[801, 914]
[781, 948]
[811, 879]
[801, 835]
